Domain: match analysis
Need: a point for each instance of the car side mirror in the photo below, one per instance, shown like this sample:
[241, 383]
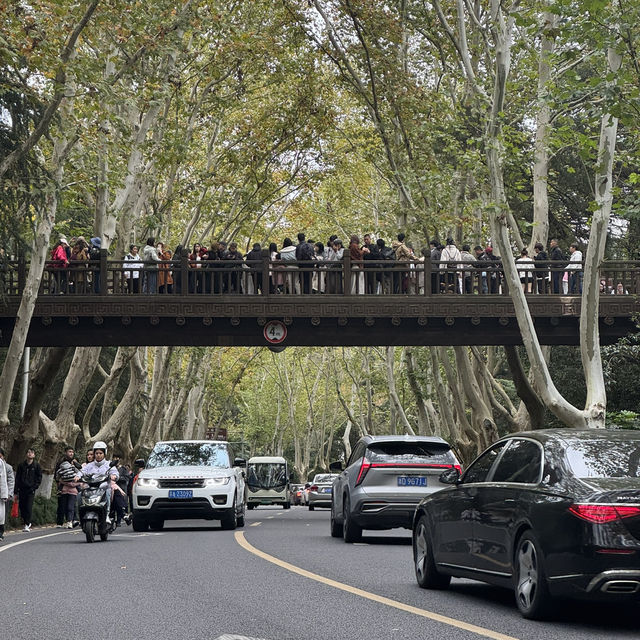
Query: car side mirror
[239, 462]
[335, 466]
[450, 476]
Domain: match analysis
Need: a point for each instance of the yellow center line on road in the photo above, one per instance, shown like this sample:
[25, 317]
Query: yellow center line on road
[452, 622]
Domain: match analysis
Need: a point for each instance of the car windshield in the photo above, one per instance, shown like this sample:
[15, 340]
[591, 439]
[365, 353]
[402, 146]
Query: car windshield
[267, 475]
[410, 453]
[197, 454]
[604, 458]
[321, 478]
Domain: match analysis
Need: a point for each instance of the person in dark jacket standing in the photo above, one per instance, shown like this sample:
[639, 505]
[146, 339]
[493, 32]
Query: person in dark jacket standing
[542, 267]
[557, 270]
[28, 479]
[254, 261]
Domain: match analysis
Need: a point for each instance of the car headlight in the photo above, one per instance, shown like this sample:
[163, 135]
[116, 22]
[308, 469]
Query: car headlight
[147, 482]
[216, 481]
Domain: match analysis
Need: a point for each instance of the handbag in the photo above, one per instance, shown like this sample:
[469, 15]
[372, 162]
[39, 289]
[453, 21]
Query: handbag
[14, 509]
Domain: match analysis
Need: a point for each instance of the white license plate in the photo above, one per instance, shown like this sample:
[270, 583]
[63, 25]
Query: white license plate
[412, 481]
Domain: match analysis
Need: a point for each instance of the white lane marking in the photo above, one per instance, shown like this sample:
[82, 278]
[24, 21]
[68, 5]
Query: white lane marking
[5, 547]
[255, 524]
[226, 636]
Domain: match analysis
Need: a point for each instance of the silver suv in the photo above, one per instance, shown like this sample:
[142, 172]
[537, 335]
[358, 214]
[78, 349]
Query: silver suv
[384, 479]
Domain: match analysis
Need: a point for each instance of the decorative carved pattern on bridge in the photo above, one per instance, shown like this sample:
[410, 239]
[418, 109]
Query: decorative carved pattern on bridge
[319, 306]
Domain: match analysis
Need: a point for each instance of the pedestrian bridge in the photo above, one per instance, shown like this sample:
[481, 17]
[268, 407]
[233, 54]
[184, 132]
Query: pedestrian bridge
[266, 303]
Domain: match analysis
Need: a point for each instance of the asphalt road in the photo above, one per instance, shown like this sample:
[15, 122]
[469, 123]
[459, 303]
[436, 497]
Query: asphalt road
[281, 577]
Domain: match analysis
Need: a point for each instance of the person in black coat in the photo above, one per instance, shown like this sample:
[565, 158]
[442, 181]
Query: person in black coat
[254, 259]
[557, 270]
[542, 267]
[28, 479]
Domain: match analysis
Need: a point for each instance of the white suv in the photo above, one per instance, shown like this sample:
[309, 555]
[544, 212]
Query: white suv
[190, 479]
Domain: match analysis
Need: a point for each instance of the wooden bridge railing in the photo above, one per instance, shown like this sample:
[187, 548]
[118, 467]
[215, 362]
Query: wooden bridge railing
[267, 278]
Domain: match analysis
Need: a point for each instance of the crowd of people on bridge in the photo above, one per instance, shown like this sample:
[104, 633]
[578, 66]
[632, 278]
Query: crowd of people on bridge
[308, 267]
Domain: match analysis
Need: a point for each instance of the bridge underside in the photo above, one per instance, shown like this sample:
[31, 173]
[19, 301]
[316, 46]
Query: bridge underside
[309, 320]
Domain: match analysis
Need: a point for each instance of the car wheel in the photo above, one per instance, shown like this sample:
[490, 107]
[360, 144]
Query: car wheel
[351, 532]
[230, 520]
[336, 527]
[424, 564]
[311, 507]
[531, 590]
[156, 525]
[139, 523]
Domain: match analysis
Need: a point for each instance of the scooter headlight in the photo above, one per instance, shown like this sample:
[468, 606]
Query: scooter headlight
[147, 482]
[92, 499]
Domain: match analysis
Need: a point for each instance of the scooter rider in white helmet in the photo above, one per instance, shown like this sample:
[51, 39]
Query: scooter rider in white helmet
[101, 465]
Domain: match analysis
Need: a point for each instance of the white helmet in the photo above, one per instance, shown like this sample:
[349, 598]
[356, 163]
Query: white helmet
[100, 445]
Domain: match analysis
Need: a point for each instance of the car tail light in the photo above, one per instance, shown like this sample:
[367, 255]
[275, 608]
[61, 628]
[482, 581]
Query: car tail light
[314, 488]
[603, 513]
[364, 468]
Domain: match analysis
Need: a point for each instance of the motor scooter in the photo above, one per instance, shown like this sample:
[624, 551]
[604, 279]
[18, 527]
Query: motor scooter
[92, 507]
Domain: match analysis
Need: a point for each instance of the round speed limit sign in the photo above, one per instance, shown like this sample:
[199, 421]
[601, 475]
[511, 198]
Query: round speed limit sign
[275, 331]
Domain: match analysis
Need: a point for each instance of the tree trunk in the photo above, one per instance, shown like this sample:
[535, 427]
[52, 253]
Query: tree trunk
[540, 229]
[424, 424]
[39, 255]
[393, 394]
[44, 370]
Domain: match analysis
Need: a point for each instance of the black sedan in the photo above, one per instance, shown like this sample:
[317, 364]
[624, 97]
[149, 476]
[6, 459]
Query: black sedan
[546, 513]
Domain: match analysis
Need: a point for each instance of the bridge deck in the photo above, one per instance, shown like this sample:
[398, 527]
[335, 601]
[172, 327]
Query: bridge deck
[70, 311]
[325, 320]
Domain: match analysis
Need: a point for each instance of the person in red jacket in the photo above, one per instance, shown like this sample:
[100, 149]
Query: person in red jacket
[59, 262]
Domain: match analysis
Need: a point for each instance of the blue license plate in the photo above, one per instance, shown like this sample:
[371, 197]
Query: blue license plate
[326, 490]
[412, 481]
[181, 493]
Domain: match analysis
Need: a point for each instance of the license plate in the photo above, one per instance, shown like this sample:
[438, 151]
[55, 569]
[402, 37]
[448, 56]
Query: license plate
[326, 490]
[181, 493]
[412, 481]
